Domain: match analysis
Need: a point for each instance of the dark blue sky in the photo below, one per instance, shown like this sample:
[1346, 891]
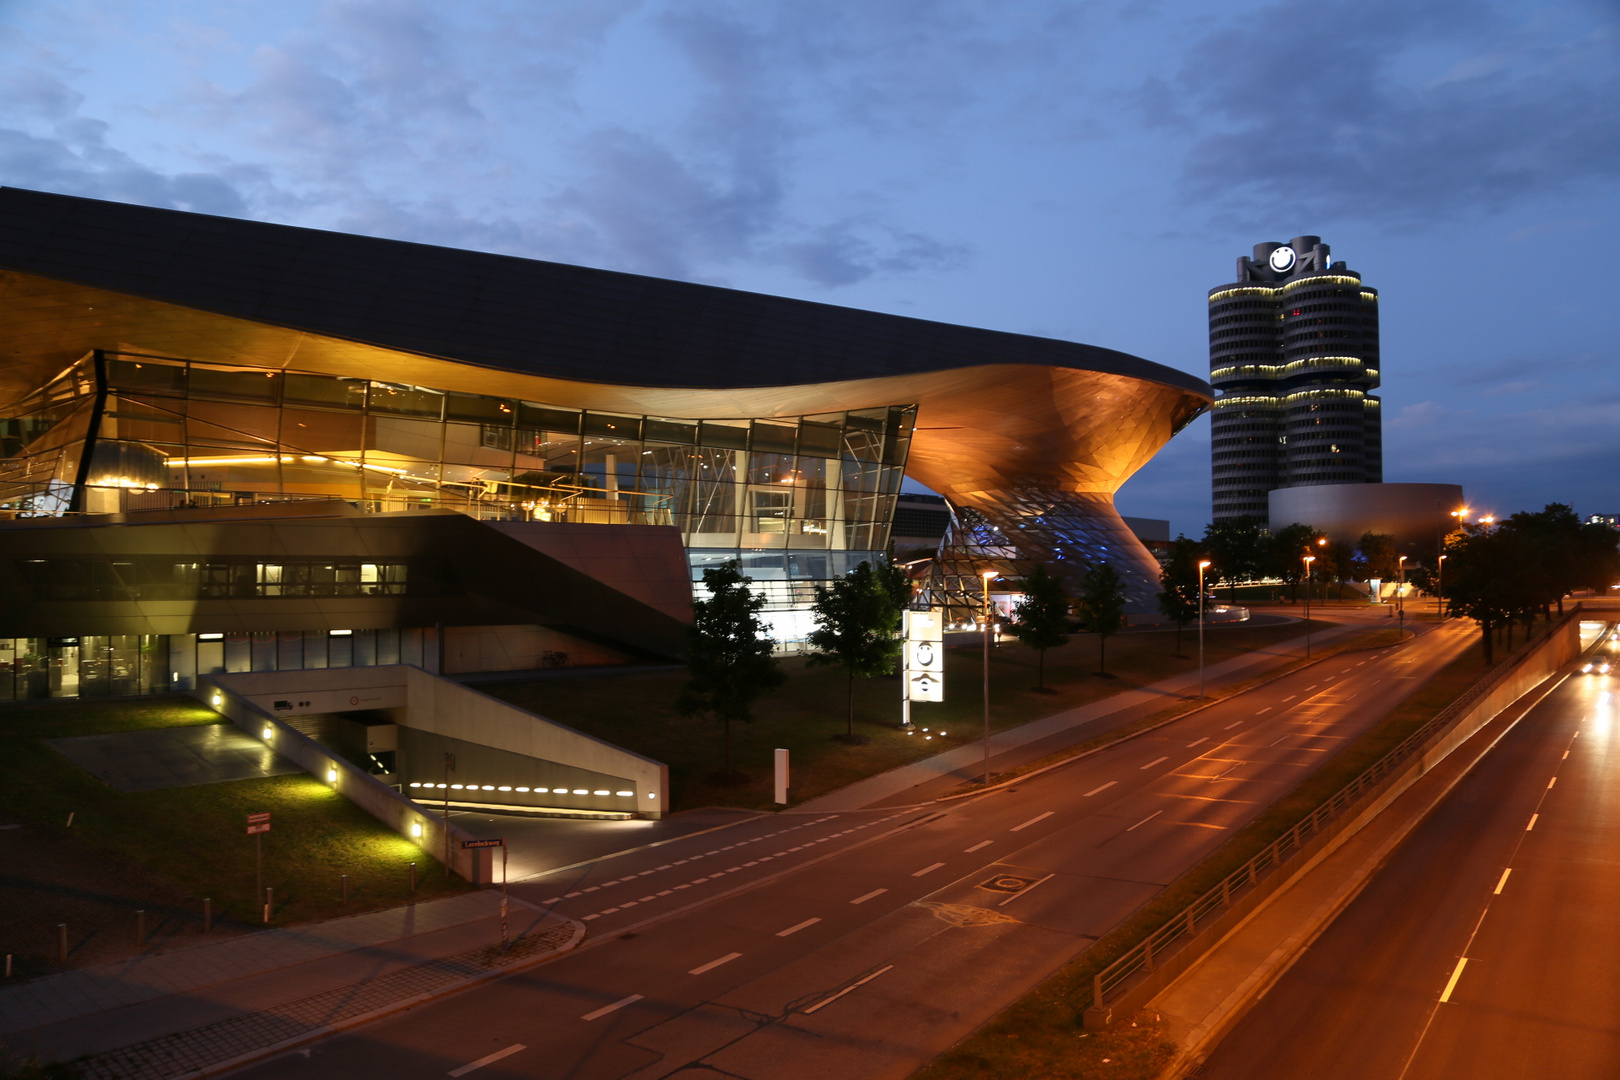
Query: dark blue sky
[1078, 170]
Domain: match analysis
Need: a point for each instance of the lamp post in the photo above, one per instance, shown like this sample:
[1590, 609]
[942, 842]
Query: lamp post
[1307, 560]
[1400, 592]
[988, 576]
[1440, 587]
[1202, 566]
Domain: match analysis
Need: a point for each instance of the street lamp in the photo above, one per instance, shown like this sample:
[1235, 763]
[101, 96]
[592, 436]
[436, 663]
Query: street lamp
[988, 576]
[1307, 560]
[1440, 587]
[1400, 592]
[1202, 566]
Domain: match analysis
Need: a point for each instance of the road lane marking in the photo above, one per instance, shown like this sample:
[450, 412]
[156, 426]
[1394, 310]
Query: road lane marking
[868, 896]
[1289, 698]
[1280, 738]
[796, 927]
[824, 1002]
[1037, 817]
[615, 1007]
[1026, 889]
[1154, 762]
[1232, 725]
[712, 964]
[1311, 687]
[976, 847]
[1105, 787]
[1532, 824]
[1551, 782]
[928, 869]
[487, 1059]
[1265, 710]
[1498, 890]
[553, 900]
[1455, 975]
[1566, 754]
[1200, 742]
[1144, 821]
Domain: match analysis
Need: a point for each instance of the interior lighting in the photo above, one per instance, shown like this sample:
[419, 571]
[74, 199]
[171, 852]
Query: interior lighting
[501, 789]
[600, 791]
[455, 787]
[487, 787]
[623, 794]
[581, 791]
[523, 789]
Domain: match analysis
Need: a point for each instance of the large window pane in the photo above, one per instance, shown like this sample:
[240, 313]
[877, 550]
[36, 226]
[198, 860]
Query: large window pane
[234, 384]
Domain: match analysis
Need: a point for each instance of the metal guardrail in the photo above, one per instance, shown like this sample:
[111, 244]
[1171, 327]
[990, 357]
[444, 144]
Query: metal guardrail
[1183, 924]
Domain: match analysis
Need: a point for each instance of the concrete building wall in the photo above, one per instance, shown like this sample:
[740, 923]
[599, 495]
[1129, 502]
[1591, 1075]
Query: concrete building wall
[1417, 515]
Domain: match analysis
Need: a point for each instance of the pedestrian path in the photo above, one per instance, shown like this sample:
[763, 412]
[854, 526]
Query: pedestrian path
[954, 764]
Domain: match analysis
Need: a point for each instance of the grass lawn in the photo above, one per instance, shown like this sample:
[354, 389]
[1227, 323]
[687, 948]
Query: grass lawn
[195, 837]
[806, 713]
[1039, 1036]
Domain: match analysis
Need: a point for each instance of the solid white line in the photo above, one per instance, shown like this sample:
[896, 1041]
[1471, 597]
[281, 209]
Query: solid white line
[868, 896]
[1498, 890]
[1154, 762]
[1033, 820]
[1144, 821]
[1200, 742]
[796, 927]
[712, 964]
[1532, 824]
[1455, 975]
[976, 847]
[928, 869]
[1551, 782]
[1105, 787]
[828, 1001]
[1026, 889]
[481, 1062]
[615, 1007]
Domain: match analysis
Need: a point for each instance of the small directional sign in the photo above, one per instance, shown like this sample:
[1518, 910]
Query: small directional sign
[482, 843]
[258, 823]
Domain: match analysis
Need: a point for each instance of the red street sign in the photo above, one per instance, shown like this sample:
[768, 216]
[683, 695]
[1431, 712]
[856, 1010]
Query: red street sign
[259, 818]
[482, 843]
[261, 828]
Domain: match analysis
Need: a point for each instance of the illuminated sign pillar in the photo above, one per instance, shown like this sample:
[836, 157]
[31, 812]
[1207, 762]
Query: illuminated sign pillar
[925, 661]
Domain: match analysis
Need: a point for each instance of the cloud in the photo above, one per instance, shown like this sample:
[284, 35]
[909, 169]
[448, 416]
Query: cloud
[1403, 111]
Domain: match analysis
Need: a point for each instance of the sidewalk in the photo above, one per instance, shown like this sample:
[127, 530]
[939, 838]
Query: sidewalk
[943, 773]
[200, 1006]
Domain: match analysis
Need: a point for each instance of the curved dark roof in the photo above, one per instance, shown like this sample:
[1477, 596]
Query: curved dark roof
[497, 311]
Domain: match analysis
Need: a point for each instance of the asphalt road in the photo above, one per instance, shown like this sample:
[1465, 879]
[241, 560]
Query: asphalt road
[863, 944]
[1486, 947]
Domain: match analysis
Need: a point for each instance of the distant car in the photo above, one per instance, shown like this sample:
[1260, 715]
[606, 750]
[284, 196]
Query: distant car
[1595, 667]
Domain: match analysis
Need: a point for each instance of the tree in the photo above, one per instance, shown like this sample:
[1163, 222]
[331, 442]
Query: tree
[1599, 557]
[1237, 548]
[729, 661]
[1102, 606]
[858, 626]
[1286, 551]
[1178, 601]
[1378, 556]
[1041, 618]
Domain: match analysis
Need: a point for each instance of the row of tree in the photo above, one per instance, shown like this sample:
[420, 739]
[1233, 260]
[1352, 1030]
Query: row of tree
[1243, 549]
[730, 660]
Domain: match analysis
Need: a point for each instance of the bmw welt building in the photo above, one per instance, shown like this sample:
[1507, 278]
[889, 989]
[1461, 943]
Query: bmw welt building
[233, 446]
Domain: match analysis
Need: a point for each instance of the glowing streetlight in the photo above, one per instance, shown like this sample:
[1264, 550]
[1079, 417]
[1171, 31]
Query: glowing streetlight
[1307, 560]
[988, 576]
[1400, 591]
[1440, 587]
[1202, 566]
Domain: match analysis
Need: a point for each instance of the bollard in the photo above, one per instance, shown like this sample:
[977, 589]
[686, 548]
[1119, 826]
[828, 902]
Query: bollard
[208, 913]
[413, 877]
[269, 901]
[8, 965]
[140, 926]
[61, 942]
[345, 888]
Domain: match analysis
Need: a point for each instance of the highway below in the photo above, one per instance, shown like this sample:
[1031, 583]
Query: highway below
[862, 944]
[1487, 945]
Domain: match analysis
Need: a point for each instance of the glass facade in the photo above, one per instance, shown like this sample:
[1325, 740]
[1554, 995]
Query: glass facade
[799, 500]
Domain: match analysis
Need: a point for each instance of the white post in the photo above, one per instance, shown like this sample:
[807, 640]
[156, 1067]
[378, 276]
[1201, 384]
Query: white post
[781, 777]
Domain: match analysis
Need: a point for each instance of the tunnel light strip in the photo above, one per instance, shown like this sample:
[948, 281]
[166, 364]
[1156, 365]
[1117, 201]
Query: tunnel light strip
[430, 785]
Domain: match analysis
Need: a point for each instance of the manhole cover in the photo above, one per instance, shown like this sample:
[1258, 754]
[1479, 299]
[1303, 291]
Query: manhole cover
[1006, 883]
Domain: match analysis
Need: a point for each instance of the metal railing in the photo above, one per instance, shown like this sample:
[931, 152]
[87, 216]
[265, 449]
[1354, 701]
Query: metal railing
[1142, 957]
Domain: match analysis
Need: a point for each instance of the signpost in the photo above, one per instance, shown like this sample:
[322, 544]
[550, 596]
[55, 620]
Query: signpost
[925, 661]
[257, 825]
[499, 842]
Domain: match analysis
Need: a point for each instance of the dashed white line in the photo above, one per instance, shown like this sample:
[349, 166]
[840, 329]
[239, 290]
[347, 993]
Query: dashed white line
[1566, 754]
[1286, 700]
[1199, 742]
[487, 1059]
[1532, 824]
[1154, 762]
[1551, 782]
[1105, 787]
[615, 1007]
[1498, 890]
[1144, 821]
[928, 869]
[868, 896]
[1232, 725]
[796, 927]
[828, 1001]
[1456, 974]
[712, 964]
[1265, 710]
[976, 847]
[1031, 821]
